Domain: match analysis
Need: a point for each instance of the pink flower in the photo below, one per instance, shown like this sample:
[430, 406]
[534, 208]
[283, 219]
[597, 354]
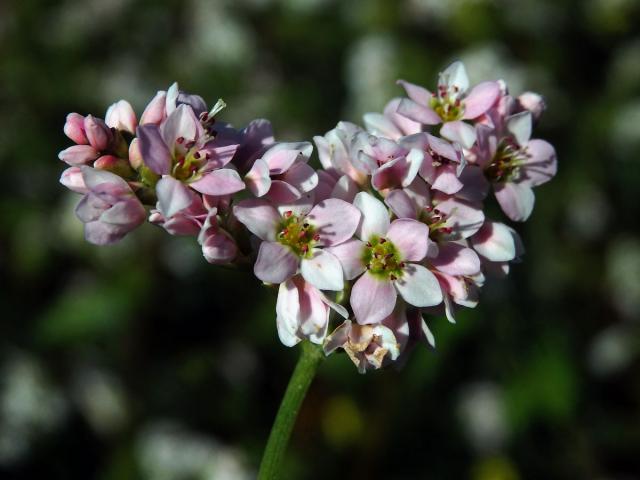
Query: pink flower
[338, 156]
[296, 236]
[443, 162]
[372, 346]
[450, 104]
[282, 174]
[180, 210]
[182, 148]
[72, 179]
[218, 246]
[514, 164]
[448, 217]
[390, 164]
[303, 312]
[110, 209]
[385, 258]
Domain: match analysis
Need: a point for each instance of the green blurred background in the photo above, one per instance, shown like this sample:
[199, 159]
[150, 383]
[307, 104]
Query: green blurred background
[141, 361]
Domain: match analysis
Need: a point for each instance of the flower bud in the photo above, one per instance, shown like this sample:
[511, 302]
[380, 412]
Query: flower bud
[77, 155]
[121, 116]
[74, 129]
[72, 179]
[155, 111]
[98, 132]
[113, 164]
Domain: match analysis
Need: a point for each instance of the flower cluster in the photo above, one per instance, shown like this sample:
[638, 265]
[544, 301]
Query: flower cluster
[390, 228]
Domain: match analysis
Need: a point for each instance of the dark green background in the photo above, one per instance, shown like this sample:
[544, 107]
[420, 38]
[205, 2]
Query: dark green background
[142, 361]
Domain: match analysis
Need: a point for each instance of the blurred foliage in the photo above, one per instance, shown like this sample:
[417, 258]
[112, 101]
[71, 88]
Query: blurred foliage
[142, 361]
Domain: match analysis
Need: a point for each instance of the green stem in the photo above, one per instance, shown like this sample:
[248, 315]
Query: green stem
[271, 465]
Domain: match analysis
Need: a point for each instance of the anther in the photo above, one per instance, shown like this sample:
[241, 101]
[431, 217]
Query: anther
[288, 213]
[180, 140]
[196, 155]
[316, 237]
[393, 277]
[369, 244]
[383, 240]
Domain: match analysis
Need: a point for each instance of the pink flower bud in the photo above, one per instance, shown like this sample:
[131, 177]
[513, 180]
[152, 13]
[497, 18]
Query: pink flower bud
[97, 132]
[74, 129]
[532, 102]
[78, 155]
[72, 179]
[121, 116]
[155, 111]
[135, 157]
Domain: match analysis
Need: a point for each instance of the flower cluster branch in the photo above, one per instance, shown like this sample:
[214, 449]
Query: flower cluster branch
[391, 228]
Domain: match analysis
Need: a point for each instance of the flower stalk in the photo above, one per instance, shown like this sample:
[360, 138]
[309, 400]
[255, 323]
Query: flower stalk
[271, 464]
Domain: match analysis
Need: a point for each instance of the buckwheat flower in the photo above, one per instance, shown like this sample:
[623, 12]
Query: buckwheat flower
[455, 265]
[372, 346]
[182, 148]
[295, 237]
[448, 217]
[515, 163]
[452, 103]
[303, 312]
[218, 246]
[338, 156]
[390, 124]
[385, 260]
[110, 209]
[443, 162]
[282, 174]
[390, 164]
[179, 210]
[498, 245]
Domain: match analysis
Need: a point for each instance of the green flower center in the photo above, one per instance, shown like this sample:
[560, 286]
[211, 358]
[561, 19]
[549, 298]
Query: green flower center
[436, 220]
[382, 259]
[186, 166]
[447, 104]
[296, 233]
[507, 161]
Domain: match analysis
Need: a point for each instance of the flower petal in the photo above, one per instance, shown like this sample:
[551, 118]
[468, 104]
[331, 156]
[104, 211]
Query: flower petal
[322, 270]
[153, 149]
[288, 313]
[480, 99]
[459, 131]
[401, 204]
[416, 92]
[455, 75]
[259, 216]
[419, 287]
[173, 196]
[418, 113]
[515, 199]
[456, 259]
[275, 263]
[375, 218]
[542, 164]
[281, 156]
[350, 255]
[520, 126]
[335, 220]
[181, 123]
[219, 182]
[302, 177]
[410, 237]
[258, 179]
[496, 242]
[372, 299]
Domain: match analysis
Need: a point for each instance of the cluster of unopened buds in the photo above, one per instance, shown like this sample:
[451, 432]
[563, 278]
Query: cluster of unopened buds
[390, 228]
